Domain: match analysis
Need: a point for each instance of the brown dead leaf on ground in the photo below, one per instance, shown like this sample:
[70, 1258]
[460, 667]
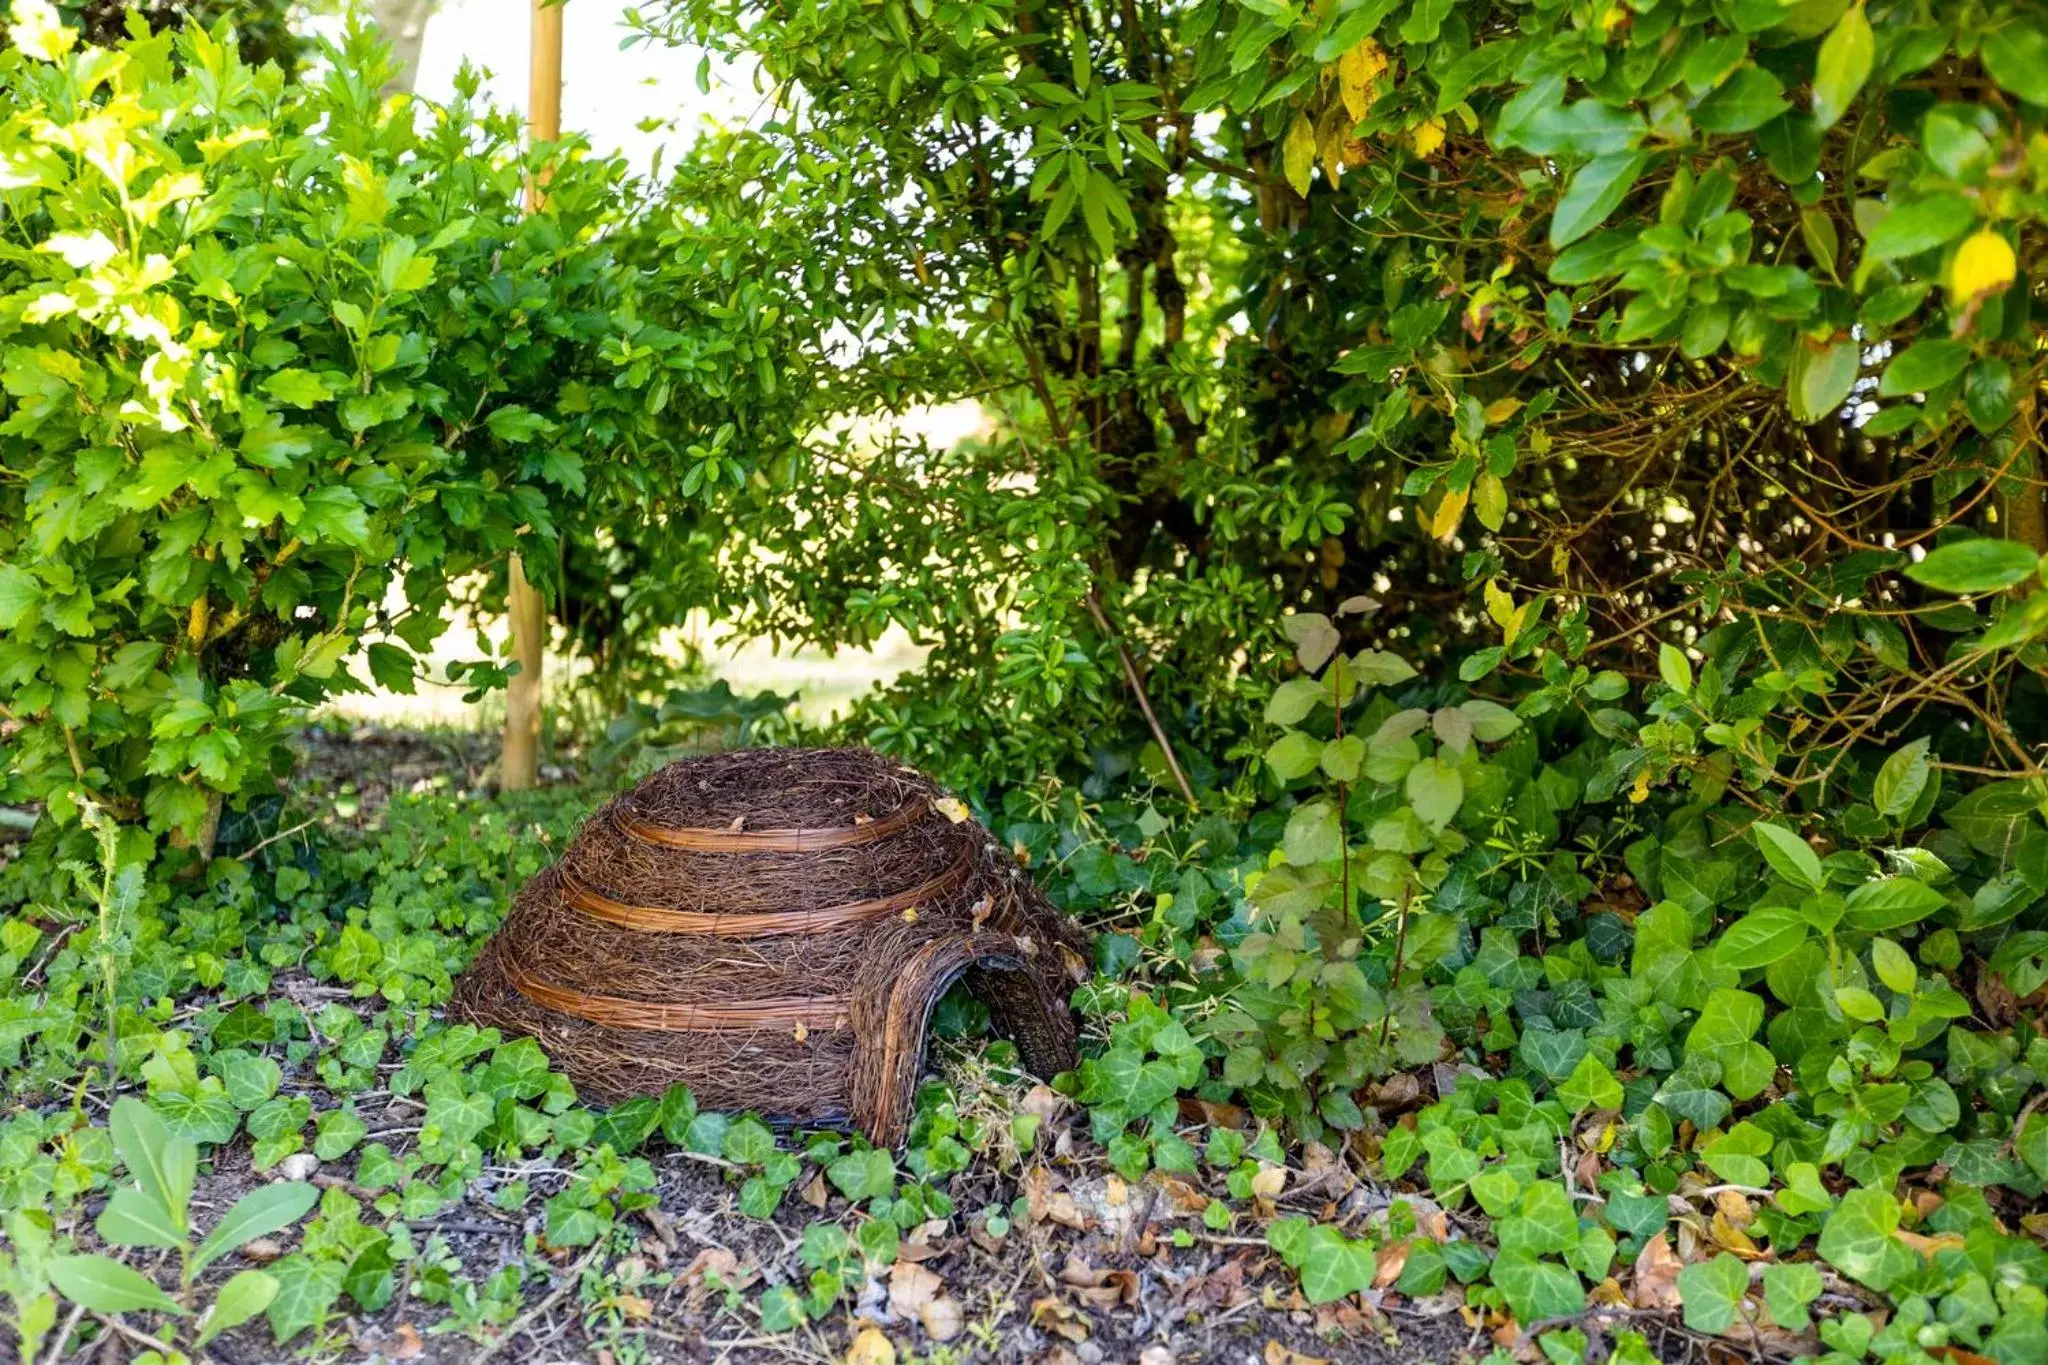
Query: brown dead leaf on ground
[1270, 1182]
[1734, 1205]
[1731, 1238]
[1212, 1113]
[1098, 1287]
[1043, 1103]
[911, 1287]
[1956, 1355]
[1276, 1354]
[1181, 1196]
[814, 1191]
[1043, 1201]
[405, 1343]
[1389, 1261]
[1655, 1284]
[1060, 1318]
[916, 1293]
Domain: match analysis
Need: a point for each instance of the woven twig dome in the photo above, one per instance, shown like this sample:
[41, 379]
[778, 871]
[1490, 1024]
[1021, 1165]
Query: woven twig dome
[772, 927]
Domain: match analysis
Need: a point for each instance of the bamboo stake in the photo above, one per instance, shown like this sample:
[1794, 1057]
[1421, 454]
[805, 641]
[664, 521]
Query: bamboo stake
[519, 760]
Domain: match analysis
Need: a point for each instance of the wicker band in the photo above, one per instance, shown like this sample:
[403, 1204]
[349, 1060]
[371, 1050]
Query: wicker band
[771, 840]
[654, 919]
[821, 1013]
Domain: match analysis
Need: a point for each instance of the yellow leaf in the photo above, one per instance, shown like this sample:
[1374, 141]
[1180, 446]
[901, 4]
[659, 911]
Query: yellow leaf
[1984, 264]
[1449, 513]
[952, 807]
[1356, 72]
[870, 1347]
[1490, 501]
[1499, 605]
[1298, 154]
[1560, 561]
[1331, 135]
[1640, 792]
[1500, 409]
[1428, 136]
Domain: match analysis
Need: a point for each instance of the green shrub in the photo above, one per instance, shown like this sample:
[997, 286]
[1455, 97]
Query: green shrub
[282, 363]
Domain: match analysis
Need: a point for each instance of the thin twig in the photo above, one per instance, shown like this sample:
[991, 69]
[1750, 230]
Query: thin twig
[525, 1320]
[64, 1334]
[1144, 703]
[246, 854]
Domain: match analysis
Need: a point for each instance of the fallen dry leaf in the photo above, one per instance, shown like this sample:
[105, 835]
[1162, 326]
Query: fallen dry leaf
[1655, 1284]
[406, 1343]
[1388, 1263]
[1735, 1207]
[1276, 1354]
[870, 1347]
[952, 807]
[1731, 1238]
[1269, 1182]
[911, 1287]
[1213, 1113]
[813, 1191]
[1928, 1246]
[1053, 1315]
[1097, 1287]
[943, 1318]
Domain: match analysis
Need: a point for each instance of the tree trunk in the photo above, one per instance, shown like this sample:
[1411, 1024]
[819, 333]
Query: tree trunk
[519, 760]
[404, 25]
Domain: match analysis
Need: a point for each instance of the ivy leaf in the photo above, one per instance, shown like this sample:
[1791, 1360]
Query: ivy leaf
[1334, 1266]
[1537, 1289]
[1972, 566]
[861, 1176]
[1857, 1239]
[1712, 1291]
[1788, 1288]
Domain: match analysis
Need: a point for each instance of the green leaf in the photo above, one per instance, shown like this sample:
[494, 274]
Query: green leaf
[1590, 1086]
[1817, 381]
[258, 1213]
[1857, 1239]
[103, 1285]
[297, 388]
[1760, 938]
[246, 1294]
[1537, 1289]
[1894, 967]
[306, 1289]
[1747, 100]
[1674, 668]
[1920, 225]
[2015, 54]
[865, 1175]
[1891, 903]
[1979, 565]
[748, 1142]
[1315, 834]
[1712, 1291]
[1924, 365]
[1435, 790]
[1846, 56]
[1334, 1266]
[133, 1219]
[1294, 754]
[1789, 855]
[1595, 191]
[164, 1164]
[1788, 1288]
[1900, 781]
[1294, 699]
